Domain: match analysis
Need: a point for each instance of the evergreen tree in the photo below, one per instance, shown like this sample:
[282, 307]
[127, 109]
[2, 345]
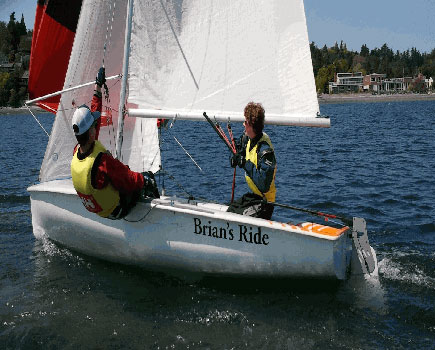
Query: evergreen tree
[22, 26]
[364, 50]
[4, 42]
[14, 33]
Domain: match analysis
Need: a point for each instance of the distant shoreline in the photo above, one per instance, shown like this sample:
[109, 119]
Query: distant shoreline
[323, 99]
[365, 98]
[20, 110]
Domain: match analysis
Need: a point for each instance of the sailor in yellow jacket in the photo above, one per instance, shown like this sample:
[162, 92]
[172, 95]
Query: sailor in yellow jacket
[105, 185]
[255, 154]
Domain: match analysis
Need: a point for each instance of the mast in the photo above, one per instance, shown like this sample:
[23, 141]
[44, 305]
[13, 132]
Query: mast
[119, 135]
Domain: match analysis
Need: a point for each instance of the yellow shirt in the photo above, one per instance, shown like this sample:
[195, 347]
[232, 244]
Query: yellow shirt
[99, 201]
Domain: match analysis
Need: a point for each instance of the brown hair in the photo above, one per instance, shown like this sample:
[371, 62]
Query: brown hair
[254, 114]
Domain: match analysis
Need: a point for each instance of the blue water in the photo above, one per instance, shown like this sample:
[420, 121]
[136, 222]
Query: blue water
[376, 161]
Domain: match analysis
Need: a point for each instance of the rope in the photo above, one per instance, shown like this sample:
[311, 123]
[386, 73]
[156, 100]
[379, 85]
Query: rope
[142, 218]
[230, 132]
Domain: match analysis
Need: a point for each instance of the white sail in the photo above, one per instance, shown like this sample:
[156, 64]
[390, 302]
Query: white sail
[101, 24]
[216, 56]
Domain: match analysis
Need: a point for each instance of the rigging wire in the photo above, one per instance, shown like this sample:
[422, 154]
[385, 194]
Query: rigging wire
[37, 120]
[177, 183]
[211, 178]
[193, 160]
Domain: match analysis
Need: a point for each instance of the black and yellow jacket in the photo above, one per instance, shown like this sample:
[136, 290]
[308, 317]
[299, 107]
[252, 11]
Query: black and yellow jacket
[260, 166]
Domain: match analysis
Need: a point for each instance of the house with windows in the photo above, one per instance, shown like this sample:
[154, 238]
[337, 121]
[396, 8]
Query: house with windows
[373, 82]
[346, 82]
[378, 83]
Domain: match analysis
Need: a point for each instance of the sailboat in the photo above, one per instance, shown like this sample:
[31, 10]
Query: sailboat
[177, 59]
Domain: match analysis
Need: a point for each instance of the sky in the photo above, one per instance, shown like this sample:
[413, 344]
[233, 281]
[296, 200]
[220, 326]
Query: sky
[401, 24]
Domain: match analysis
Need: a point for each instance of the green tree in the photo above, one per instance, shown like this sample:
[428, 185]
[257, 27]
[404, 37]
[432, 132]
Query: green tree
[9, 89]
[13, 99]
[4, 42]
[428, 68]
[14, 33]
[325, 56]
[325, 75]
[22, 26]
[316, 57]
[364, 50]
[4, 94]
[359, 68]
[341, 65]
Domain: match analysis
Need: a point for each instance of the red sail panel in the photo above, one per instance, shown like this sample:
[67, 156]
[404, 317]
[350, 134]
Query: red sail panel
[40, 9]
[53, 37]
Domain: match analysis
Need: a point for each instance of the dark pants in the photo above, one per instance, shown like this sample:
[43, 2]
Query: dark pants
[251, 204]
[128, 201]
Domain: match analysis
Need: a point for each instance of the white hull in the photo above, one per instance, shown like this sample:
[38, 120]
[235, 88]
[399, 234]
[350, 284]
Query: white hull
[169, 233]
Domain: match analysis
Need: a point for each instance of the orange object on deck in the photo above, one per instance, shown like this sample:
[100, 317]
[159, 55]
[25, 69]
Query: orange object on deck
[322, 229]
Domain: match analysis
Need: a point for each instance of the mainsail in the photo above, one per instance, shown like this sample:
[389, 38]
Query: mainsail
[215, 56]
[99, 39]
[53, 36]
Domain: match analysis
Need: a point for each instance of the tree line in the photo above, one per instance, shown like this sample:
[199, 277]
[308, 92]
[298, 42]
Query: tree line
[338, 59]
[15, 42]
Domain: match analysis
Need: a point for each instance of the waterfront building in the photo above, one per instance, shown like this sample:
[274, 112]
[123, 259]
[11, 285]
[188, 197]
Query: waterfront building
[373, 82]
[346, 82]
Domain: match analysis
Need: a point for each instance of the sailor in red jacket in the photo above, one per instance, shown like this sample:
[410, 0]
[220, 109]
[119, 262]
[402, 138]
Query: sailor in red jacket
[105, 185]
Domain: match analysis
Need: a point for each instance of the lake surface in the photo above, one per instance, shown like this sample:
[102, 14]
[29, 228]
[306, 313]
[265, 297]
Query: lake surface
[376, 161]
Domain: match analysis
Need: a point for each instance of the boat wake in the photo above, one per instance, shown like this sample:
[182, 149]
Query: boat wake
[393, 270]
[51, 250]
[365, 292]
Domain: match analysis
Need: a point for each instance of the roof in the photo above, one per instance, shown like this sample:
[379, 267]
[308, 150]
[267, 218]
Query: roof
[7, 65]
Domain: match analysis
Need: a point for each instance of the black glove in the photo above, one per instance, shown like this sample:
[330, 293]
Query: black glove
[241, 144]
[149, 189]
[100, 80]
[237, 159]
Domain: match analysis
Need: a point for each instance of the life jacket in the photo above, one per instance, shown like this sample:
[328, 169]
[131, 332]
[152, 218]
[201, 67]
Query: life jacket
[99, 201]
[252, 156]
